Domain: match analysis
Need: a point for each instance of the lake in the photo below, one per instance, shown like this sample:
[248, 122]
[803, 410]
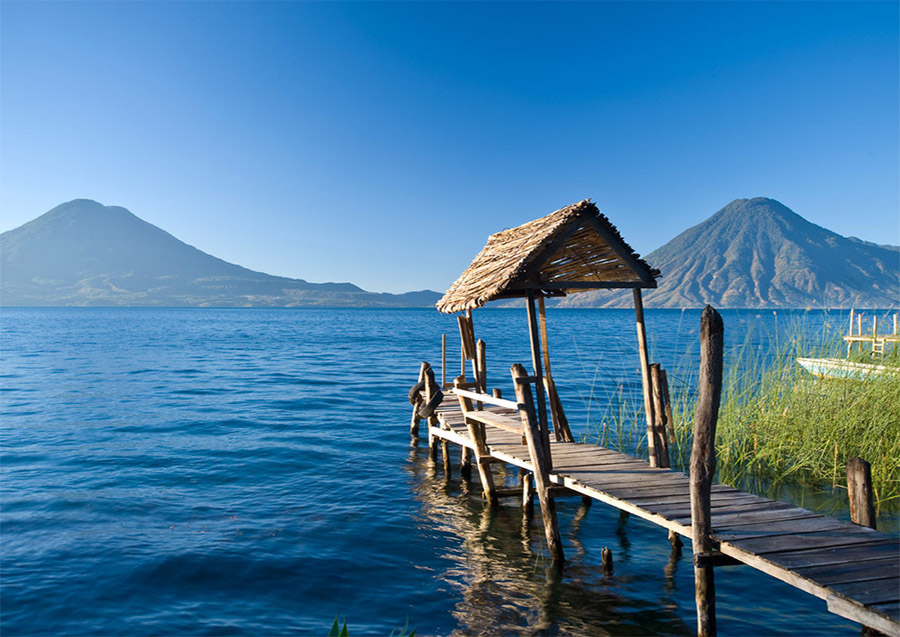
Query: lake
[200, 471]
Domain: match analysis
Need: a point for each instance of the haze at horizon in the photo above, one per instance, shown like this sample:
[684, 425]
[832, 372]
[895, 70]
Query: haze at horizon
[380, 143]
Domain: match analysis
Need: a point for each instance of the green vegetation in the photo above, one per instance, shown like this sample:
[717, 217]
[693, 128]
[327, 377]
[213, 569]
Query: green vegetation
[780, 426]
[341, 631]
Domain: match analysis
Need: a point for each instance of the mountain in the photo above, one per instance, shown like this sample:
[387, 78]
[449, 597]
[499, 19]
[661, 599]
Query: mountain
[85, 253]
[758, 253]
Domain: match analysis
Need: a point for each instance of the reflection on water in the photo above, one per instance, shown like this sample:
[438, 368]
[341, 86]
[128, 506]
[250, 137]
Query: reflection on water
[504, 581]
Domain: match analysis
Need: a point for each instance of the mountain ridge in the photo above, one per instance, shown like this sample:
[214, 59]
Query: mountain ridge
[84, 253]
[758, 253]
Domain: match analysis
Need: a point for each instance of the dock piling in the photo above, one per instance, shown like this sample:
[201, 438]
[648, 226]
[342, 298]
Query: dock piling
[703, 466]
[859, 490]
[540, 461]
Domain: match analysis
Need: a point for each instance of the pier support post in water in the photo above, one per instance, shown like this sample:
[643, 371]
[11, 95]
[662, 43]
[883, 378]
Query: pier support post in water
[703, 466]
[859, 489]
[540, 461]
[606, 560]
[660, 442]
[645, 371]
[465, 463]
[481, 452]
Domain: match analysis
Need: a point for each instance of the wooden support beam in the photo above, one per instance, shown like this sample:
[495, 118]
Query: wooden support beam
[859, 489]
[482, 453]
[481, 365]
[445, 454]
[645, 373]
[660, 441]
[703, 464]
[465, 463]
[443, 360]
[560, 423]
[541, 467]
[550, 286]
[539, 386]
[711, 560]
[670, 421]
[528, 493]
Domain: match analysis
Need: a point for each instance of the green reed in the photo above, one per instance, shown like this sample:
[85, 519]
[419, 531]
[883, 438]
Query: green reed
[780, 426]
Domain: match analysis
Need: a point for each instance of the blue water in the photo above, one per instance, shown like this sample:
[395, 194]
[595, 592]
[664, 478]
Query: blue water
[187, 471]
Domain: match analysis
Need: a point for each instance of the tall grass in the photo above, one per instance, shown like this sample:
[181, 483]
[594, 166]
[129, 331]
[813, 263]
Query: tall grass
[779, 426]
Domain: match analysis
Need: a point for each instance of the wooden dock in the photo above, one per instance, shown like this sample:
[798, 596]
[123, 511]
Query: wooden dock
[574, 249]
[854, 569]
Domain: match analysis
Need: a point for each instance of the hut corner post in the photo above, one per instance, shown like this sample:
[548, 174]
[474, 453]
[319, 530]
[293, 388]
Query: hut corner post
[645, 375]
[703, 465]
[538, 372]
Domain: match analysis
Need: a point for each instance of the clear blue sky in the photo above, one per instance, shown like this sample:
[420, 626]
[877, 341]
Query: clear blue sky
[380, 143]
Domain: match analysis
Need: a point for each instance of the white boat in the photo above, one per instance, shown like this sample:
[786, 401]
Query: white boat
[837, 368]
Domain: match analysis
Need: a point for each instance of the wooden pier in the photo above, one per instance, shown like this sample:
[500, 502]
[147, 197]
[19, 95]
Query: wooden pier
[856, 570]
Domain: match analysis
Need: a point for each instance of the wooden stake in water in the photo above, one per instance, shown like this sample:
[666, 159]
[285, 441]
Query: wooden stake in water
[859, 489]
[703, 465]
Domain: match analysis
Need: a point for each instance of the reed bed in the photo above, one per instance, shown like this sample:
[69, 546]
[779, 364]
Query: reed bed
[778, 425]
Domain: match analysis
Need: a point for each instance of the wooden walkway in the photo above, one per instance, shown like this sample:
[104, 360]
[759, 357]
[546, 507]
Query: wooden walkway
[854, 569]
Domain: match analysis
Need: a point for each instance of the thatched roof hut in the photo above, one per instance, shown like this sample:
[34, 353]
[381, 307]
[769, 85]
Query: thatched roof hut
[573, 249]
[570, 250]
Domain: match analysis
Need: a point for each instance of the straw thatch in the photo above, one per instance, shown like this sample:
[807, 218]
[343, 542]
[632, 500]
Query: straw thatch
[573, 249]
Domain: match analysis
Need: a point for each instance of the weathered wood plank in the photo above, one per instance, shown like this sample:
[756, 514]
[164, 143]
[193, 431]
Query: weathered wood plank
[822, 539]
[836, 554]
[852, 571]
[871, 591]
[816, 524]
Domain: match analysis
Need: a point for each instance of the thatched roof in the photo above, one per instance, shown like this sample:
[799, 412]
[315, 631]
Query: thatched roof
[573, 249]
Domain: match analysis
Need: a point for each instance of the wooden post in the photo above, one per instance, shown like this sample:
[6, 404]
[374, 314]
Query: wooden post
[540, 462]
[675, 540]
[859, 488]
[850, 343]
[560, 423]
[670, 421]
[482, 454]
[859, 324]
[465, 463]
[703, 465]
[445, 454]
[443, 360]
[606, 560]
[414, 423]
[895, 324]
[431, 421]
[462, 358]
[660, 442]
[528, 493]
[481, 365]
[645, 372]
[539, 386]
